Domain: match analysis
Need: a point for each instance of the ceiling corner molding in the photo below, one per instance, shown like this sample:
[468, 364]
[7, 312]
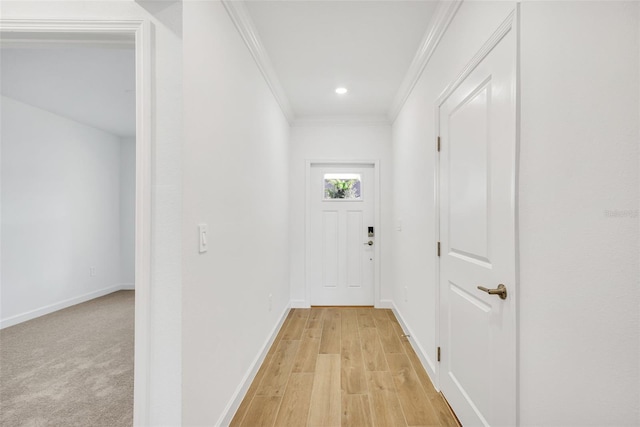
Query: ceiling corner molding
[241, 18]
[445, 12]
[347, 120]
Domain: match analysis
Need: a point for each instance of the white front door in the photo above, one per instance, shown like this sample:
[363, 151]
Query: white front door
[477, 235]
[341, 211]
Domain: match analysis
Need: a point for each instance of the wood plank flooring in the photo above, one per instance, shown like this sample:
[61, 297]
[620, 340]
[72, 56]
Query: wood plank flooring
[342, 367]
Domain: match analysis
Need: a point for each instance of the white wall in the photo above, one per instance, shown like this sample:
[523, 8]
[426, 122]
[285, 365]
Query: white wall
[127, 211]
[413, 154]
[336, 142]
[165, 315]
[579, 245]
[236, 149]
[60, 212]
[578, 324]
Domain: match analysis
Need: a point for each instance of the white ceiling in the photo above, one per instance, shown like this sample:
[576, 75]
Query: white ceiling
[365, 46]
[313, 47]
[91, 85]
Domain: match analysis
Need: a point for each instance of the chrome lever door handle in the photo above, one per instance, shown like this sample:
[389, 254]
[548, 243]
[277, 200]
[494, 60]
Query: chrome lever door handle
[370, 243]
[501, 291]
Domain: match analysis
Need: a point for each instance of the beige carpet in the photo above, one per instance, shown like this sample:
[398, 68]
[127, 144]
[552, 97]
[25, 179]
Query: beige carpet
[73, 367]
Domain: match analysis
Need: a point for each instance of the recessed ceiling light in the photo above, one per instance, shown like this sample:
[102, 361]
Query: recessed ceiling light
[341, 90]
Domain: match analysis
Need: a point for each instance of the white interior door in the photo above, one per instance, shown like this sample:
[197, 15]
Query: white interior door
[341, 210]
[477, 233]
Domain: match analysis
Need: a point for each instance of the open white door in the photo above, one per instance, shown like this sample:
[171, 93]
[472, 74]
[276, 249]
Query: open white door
[477, 236]
[341, 210]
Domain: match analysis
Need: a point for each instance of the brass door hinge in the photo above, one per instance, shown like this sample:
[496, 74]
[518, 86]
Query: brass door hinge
[438, 144]
[438, 248]
[438, 354]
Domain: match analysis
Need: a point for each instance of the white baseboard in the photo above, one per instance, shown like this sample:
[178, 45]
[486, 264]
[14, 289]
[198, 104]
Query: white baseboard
[241, 391]
[299, 303]
[427, 363]
[29, 315]
[127, 287]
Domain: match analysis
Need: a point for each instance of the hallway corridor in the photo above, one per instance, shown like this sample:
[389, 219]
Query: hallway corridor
[342, 367]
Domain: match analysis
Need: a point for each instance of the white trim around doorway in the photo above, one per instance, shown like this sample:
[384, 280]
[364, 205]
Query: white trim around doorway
[139, 30]
[378, 303]
[510, 23]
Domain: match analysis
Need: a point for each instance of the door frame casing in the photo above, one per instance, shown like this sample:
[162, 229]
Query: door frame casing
[140, 29]
[376, 223]
[510, 23]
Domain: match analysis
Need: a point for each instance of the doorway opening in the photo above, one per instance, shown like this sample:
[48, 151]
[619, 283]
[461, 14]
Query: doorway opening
[103, 162]
[343, 233]
[476, 220]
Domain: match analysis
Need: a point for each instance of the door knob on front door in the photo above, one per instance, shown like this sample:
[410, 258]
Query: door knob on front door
[501, 291]
[370, 243]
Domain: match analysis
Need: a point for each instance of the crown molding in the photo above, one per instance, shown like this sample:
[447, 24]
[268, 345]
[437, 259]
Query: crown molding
[352, 120]
[445, 12]
[239, 14]
[505, 27]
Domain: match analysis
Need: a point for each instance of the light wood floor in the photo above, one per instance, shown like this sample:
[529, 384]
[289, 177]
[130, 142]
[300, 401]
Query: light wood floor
[342, 367]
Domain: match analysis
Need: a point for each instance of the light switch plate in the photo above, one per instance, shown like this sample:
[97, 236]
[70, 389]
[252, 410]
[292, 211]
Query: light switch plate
[203, 229]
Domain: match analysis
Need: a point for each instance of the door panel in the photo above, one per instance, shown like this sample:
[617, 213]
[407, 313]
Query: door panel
[354, 259]
[330, 242]
[477, 234]
[469, 338]
[468, 175]
[341, 264]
